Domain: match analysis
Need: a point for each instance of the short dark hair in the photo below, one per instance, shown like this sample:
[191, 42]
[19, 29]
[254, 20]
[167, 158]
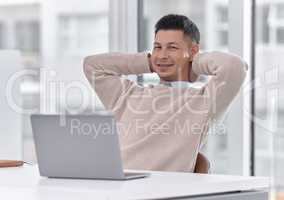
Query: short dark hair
[179, 22]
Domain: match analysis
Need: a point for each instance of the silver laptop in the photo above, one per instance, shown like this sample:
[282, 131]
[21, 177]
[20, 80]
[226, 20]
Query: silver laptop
[79, 146]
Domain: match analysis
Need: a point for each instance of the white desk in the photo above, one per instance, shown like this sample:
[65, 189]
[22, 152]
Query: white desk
[25, 182]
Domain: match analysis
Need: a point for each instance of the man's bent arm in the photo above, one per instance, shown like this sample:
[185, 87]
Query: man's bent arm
[228, 73]
[104, 71]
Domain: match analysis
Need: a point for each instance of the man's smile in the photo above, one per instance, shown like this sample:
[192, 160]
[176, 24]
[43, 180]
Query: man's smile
[164, 65]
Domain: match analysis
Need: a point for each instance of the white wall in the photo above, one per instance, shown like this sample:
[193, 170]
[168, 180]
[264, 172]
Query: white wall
[10, 120]
[68, 68]
[9, 14]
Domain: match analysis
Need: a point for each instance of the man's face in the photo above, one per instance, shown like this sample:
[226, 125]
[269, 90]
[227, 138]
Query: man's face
[171, 55]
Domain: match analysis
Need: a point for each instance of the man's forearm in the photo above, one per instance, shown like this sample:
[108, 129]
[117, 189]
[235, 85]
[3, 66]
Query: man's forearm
[118, 64]
[223, 65]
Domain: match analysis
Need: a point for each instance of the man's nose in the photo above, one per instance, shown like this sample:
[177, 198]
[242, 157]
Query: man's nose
[163, 53]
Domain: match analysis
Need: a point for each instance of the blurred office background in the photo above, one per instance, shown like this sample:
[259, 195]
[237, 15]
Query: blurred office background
[59, 34]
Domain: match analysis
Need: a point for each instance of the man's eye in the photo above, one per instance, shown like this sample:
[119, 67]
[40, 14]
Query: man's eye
[157, 47]
[173, 47]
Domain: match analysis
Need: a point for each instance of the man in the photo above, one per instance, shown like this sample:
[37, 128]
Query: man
[164, 126]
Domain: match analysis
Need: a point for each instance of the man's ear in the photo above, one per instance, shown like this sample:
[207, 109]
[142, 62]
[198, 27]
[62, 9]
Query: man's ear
[194, 49]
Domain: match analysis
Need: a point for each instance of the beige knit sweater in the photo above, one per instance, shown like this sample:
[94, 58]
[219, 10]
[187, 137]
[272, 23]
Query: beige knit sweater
[163, 127]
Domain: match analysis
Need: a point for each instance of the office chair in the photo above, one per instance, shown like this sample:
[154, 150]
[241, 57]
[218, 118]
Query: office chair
[202, 165]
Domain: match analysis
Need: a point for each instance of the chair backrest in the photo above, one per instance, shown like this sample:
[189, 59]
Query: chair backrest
[202, 165]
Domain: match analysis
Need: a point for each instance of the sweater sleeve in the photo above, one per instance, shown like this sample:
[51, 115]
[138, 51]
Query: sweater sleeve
[104, 71]
[227, 73]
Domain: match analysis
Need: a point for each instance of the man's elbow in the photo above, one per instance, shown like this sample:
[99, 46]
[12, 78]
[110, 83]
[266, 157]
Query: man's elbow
[89, 69]
[87, 62]
[243, 68]
[86, 67]
[91, 65]
[239, 68]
